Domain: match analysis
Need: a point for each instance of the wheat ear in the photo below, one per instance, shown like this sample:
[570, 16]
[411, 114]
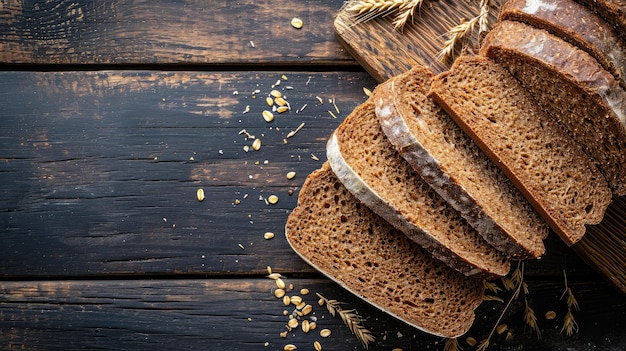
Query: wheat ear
[350, 318]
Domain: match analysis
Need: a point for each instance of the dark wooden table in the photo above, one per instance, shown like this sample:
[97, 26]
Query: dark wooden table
[114, 113]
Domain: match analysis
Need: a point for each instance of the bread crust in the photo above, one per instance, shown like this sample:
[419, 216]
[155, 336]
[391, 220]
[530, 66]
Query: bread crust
[513, 44]
[433, 298]
[549, 205]
[392, 112]
[575, 24]
[454, 257]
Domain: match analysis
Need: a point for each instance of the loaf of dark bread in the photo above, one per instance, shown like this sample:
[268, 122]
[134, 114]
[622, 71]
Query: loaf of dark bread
[332, 231]
[571, 87]
[453, 165]
[575, 24]
[373, 171]
[531, 148]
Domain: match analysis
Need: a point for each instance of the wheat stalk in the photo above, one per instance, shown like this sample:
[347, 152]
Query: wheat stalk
[451, 344]
[531, 319]
[460, 32]
[569, 323]
[350, 318]
[366, 10]
[405, 12]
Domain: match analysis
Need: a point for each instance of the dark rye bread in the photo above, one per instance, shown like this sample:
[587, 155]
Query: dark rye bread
[571, 87]
[614, 11]
[336, 234]
[531, 148]
[447, 159]
[576, 24]
[371, 169]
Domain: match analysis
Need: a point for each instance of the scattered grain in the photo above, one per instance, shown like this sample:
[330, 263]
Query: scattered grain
[306, 326]
[268, 235]
[246, 148]
[293, 323]
[312, 325]
[282, 109]
[280, 283]
[280, 101]
[324, 333]
[315, 158]
[283, 334]
[293, 132]
[296, 23]
[303, 291]
[289, 347]
[273, 199]
[317, 346]
[286, 300]
[367, 92]
[279, 293]
[296, 300]
[268, 116]
[501, 328]
[550, 315]
[307, 309]
[291, 175]
[200, 194]
[256, 144]
[276, 94]
[470, 341]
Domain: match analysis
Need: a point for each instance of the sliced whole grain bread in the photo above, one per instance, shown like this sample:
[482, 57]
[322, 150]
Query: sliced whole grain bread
[532, 149]
[576, 24]
[613, 11]
[447, 159]
[336, 234]
[570, 86]
[372, 170]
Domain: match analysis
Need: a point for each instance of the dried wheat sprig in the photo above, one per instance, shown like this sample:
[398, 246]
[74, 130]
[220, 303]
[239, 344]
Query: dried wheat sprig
[366, 10]
[405, 12]
[455, 36]
[492, 298]
[569, 323]
[351, 319]
[451, 344]
[531, 319]
[493, 287]
[485, 6]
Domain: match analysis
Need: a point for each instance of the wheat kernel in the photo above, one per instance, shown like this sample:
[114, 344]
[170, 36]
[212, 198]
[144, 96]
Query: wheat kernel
[293, 323]
[269, 101]
[312, 325]
[317, 346]
[324, 333]
[304, 291]
[282, 109]
[283, 334]
[307, 309]
[550, 315]
[276, 94]
[291, 175]
[268, 235]
[296, 300]
[246, 148]
[279, 293]
[256, 144]
[200, 194]
[286, 300]
[305, 326]
[280, 283]
[273, 199]
[296, 23]
[289, 347]
[274, 276]
[268, 116]
[501, 328]
[280, 101]
[470, 341]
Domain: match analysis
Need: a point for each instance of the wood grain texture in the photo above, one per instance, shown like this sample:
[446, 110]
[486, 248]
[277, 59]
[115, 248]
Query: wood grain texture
[233, 314]
[386, 52]
[169, 32]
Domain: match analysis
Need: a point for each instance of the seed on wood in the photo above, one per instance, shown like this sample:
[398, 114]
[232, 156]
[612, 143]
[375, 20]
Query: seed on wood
[301, 305]
[324, 333]
[305, 326]
[276, 94]
[307, 309]
[289, 347]
[283, 334]
[246, 148]
[274, 276]
[282, 109]
[315, 158]
[312, 325]
[280, 101]
[280, 283]
[286, 300]
[290, 286]
[269, 101]
[470, 341]
[296, 23]
[304, 291]
[256, 144]
[272, 199]
[296, 300]
[269, 270]
[321, 302]
[279, 293]
[268, 116]
[367, 92]
[501, 328]
[268, 235]
[317, 346]
[291, 175]
[200, 194]
[550, 315]
[293, 323]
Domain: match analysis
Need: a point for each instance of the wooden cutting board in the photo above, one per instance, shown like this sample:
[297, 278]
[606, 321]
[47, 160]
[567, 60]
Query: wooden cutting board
[385, 52]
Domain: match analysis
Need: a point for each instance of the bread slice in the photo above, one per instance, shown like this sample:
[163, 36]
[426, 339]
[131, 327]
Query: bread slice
[336, 234]
[576, 24]
[570, 86]
[371, 169]
[613, 11]
[531, 148]
[447, 159]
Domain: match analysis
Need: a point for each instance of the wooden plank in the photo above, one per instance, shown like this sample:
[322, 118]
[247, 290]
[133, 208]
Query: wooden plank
[96, 175]
[243, 314]
[169, 32]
